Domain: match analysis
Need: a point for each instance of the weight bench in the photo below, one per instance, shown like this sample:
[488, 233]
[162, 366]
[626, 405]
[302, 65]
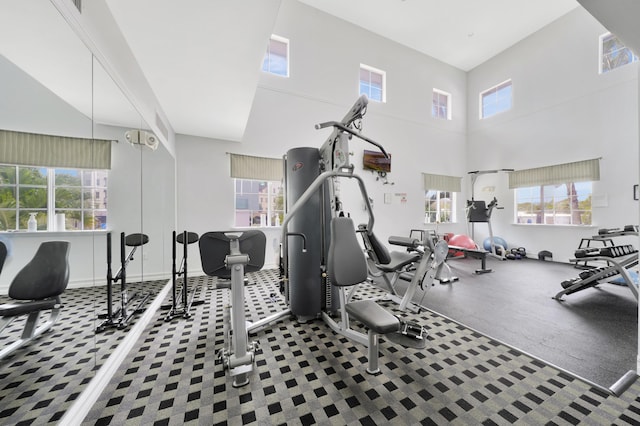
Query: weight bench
[475, 254]
[346, 267]
[36, 288]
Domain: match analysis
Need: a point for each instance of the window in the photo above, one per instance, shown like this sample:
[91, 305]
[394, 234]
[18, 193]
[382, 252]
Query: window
[561, 204]
[258, 203]
[372, 83]
[47, 192]
[613, 53]
[439, 206]
[276, 60]
[495, 100]
[441, 106]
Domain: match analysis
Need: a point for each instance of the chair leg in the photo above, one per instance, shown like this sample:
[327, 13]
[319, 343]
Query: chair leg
[30, 331]
[373, 353]
[5, 321]
[30, 325]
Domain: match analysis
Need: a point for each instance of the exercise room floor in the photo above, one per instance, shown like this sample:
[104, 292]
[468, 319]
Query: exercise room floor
[592, 333]
[41, 380]
[306, 374]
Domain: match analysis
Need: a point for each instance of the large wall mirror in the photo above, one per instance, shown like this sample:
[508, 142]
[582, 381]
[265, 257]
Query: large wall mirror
[54, 91]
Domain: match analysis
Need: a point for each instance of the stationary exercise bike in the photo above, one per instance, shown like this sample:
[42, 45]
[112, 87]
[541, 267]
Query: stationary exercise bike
[129, 306]
[231, 255]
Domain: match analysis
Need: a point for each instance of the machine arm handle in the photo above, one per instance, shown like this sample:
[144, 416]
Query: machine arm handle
[351, 132]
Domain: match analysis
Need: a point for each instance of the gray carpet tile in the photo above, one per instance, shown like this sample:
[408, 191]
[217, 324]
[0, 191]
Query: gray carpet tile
[304, 373]
[40, 381]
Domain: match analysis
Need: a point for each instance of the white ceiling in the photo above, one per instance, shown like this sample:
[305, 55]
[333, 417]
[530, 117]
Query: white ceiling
[180, 46]
[201, 57]
[462, 33]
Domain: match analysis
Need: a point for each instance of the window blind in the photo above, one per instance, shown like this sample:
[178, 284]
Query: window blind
[258, 168]
[579, 171]
[32, 149]
[442, 182]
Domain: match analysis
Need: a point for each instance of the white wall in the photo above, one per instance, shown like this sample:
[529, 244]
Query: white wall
[563, 111]
[325, 57]
[140, 187]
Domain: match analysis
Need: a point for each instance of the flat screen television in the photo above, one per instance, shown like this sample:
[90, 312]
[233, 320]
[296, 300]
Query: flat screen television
[376, 161]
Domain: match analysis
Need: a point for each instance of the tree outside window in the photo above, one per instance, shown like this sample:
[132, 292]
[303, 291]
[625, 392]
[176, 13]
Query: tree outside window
[564, 204]
[25, 190]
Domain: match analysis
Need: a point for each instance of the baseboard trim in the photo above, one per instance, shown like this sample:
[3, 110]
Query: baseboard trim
[87, 399]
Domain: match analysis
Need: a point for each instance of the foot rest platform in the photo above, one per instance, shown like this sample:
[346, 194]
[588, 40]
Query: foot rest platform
[15, 309]
[410, 335]
[373, 316]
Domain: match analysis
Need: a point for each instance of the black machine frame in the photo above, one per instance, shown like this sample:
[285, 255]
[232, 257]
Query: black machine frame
[120, 317]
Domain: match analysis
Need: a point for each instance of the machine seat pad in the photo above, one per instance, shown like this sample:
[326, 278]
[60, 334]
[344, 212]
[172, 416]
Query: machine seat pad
[373, 316]
[399, 259]
[22, 308]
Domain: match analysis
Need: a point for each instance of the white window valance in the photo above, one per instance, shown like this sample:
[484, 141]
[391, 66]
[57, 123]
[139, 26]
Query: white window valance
[442, 182]
[33, 149]
[579, 171]
[258, 168]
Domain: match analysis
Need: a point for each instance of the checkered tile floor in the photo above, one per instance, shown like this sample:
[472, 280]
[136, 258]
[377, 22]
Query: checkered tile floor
[40, 381]
[306, 374]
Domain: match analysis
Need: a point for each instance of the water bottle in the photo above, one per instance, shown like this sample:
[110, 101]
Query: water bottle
[33, 223]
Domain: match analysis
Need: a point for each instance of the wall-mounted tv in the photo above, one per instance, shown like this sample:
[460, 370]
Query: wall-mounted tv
[376, 161]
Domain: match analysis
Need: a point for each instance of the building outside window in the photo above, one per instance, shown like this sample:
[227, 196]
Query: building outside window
[276, 59]
[613, 53]
[258, 203]
[441, 105]
[372, 83]
[496, 99]
[562, 204]
[49, 191]
[439, 206]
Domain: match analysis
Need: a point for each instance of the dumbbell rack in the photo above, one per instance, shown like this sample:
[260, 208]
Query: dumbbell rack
[586, 251]
[617, 259]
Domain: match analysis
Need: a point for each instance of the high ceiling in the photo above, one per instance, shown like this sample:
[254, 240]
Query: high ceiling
[462, 33]
[179, 46]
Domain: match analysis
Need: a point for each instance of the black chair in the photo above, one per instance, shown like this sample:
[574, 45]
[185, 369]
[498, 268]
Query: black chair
[36, 288]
